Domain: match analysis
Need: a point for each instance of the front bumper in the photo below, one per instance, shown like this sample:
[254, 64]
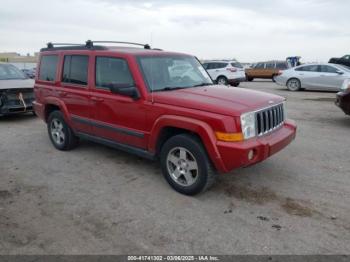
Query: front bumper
[235, 155]
[16, 108]
[343, 101]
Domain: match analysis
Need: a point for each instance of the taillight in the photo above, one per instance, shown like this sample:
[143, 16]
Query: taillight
[231, 69]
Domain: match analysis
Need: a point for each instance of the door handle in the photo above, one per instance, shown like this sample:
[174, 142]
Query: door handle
[96, 99]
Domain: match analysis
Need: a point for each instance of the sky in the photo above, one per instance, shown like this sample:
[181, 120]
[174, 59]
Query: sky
[248, 30]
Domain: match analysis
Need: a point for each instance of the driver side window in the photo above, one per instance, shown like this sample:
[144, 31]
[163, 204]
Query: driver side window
[112, 71]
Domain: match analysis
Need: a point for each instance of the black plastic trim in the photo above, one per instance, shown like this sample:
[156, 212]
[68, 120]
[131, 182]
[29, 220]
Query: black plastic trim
[112, 128]
[130, 149]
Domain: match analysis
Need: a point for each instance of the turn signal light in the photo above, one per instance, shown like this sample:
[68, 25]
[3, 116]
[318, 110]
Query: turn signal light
[229, 137]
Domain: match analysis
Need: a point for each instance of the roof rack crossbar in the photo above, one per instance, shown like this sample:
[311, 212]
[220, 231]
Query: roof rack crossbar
[90, 43]
[51, 45]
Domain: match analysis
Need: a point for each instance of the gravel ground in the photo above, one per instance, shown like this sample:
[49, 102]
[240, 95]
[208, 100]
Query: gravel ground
[96, 200]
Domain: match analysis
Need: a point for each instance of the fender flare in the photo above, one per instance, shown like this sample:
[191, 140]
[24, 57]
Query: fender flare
[202, 129]
[61, 105]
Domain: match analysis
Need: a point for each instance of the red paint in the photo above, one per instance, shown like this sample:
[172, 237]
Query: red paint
[201, 110]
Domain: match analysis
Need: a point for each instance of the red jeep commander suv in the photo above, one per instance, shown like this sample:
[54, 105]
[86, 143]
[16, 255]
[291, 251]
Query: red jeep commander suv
[157, 105]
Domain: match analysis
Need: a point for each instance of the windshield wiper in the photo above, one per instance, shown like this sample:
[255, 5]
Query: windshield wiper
[168, 88]
[203, 84]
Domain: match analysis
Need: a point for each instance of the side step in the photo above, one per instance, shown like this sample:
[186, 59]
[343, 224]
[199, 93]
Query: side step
[130, 149]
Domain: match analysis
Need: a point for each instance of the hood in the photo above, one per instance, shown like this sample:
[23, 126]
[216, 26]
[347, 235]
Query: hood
[218, 99]
[16, 83]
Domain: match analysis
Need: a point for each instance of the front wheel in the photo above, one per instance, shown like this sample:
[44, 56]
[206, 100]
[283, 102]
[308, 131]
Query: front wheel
[185, 165]
[222, 80]
[61, 135]
[236, 84]
[293, 84]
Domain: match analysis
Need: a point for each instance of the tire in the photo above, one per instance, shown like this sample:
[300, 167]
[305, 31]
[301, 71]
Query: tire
[273, 78]
[250, 79]
[222, 80]
[236, 84]
[178, 155]
[61, 135]
[293, 84]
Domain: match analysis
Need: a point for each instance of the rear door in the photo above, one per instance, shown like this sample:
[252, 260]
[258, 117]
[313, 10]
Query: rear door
[258, 70]
[309, 76]
[116, 117]
[270, 70]
[75, 89]
[217, 69]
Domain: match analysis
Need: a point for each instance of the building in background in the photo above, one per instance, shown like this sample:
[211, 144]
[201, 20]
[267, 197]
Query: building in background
[22, 62]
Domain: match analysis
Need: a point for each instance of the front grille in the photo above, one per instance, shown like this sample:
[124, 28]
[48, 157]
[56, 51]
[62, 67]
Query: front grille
[269, 119]
[26, 95]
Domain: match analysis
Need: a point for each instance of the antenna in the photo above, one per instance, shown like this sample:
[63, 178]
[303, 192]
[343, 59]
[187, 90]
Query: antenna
[152, 98]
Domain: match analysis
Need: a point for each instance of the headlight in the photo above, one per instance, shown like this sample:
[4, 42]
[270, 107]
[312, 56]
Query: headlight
[346, 84]
[248, 125]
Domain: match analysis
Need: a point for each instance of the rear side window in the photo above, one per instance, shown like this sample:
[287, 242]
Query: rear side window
[205, 65]
[328, 69]
[48, 67]
[281, 66]
[221, 65]
[270, 65]
[236, 64]
[310, 68]
[75, 69]
[112, 71]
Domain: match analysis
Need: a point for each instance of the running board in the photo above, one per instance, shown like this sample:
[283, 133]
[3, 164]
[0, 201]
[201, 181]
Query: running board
[130, 149]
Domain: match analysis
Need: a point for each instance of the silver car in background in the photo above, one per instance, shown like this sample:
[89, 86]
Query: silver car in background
[314, 76]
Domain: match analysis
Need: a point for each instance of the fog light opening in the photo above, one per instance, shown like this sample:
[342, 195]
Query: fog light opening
[251, 154]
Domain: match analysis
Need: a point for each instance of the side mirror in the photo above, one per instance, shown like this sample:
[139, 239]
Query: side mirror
[340, 72]
[125, 90]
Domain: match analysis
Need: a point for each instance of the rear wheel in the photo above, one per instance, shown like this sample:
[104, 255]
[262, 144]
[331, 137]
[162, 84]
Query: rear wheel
[250, 79]
[61, 135]
[185, 165]
[294, 84]
[222, 80]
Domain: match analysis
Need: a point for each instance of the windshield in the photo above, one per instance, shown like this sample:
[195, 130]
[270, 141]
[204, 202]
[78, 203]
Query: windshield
[173, 72]
[10, 72]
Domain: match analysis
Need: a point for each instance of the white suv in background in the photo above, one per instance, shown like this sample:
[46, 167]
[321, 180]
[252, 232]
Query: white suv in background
[225, 72]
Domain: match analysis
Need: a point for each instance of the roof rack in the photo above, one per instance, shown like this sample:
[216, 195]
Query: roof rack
[90, 43]
[69, 46]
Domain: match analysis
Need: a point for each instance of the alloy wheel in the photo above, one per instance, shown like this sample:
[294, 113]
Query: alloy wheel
[57, 133]
[182, 166]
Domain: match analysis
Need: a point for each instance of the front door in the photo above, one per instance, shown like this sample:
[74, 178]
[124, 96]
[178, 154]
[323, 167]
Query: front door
[116, 117]
[331, 78]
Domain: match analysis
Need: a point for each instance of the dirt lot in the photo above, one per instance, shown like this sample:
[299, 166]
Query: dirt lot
[96, 200]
